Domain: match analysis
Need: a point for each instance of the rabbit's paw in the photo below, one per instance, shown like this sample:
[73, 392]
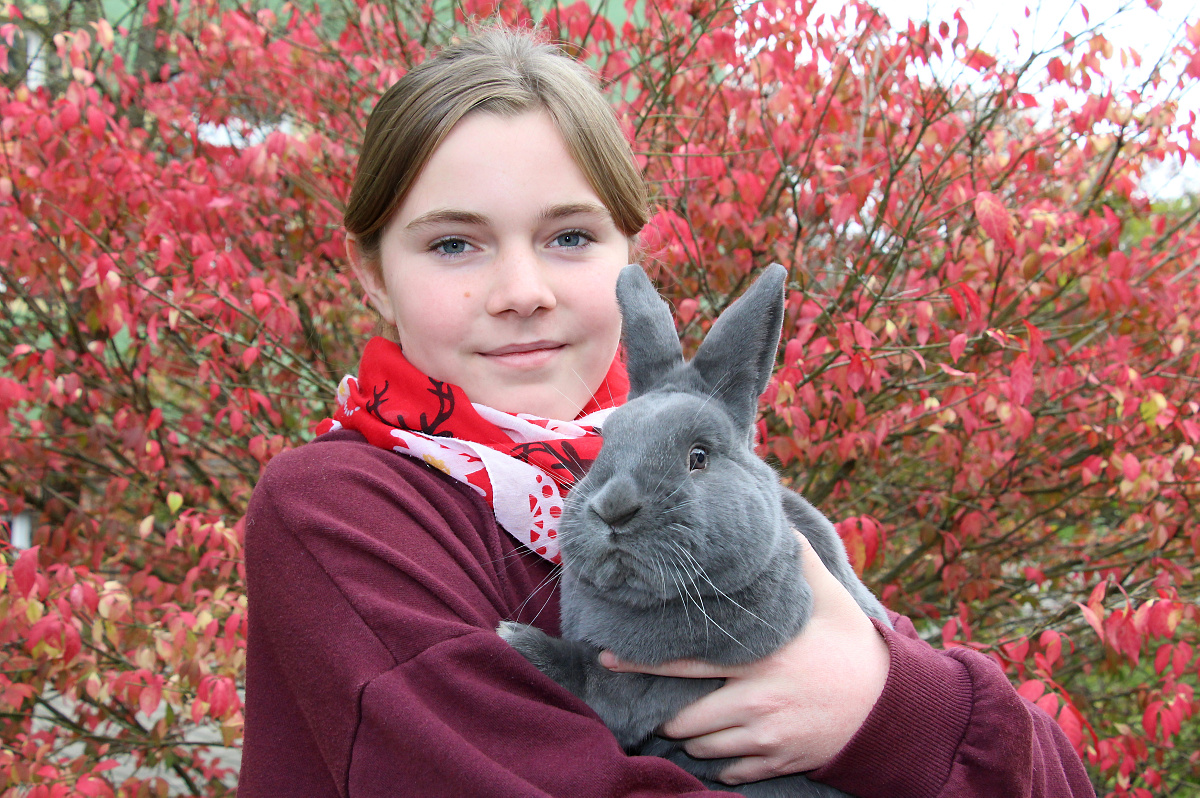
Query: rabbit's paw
[530, 642]
[511, 630]
[565, 661]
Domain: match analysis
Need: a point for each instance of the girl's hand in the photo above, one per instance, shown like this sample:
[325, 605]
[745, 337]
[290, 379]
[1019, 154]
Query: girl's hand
[794, 710]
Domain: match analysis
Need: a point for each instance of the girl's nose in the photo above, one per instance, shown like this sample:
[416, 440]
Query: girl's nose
[521, 284]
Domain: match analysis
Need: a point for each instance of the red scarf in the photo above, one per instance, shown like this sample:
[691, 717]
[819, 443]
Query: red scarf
[522, 465]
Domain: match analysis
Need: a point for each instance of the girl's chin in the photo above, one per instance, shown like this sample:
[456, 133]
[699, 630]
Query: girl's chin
[544, 400]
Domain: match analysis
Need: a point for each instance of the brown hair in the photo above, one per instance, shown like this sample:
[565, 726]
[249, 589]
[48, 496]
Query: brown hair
[500, 71]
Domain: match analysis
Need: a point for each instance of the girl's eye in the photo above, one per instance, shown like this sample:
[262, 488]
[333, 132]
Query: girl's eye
[572, 239]
[697, 459]
[450, 246]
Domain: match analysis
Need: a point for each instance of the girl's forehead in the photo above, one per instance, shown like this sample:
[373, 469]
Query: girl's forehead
[490, 167]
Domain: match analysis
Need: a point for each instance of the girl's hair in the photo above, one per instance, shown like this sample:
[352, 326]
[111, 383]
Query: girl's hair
[499, 71]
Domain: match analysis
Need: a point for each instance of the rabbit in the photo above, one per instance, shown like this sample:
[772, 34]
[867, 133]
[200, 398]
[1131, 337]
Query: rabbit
[678, 541]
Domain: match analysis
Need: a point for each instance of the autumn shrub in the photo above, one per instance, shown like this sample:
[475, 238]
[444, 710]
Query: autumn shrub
[988, 377]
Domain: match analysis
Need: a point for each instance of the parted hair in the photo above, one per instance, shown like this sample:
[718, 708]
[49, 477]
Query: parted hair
[501, 71]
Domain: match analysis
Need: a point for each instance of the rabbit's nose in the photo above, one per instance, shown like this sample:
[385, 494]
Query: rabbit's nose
[617, 504]
[617, 517]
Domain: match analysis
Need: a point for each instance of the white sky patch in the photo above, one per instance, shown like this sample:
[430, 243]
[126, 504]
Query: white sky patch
[1014, 31]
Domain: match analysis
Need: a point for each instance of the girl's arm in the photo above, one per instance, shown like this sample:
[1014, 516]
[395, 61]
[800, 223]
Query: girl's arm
[376, 585]
[876, 712]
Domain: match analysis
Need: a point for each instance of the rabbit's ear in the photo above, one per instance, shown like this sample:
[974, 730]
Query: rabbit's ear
[652, 347]
[738, 355]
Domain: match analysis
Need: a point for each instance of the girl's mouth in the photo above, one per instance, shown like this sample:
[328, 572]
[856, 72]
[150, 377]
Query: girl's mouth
[528, 355]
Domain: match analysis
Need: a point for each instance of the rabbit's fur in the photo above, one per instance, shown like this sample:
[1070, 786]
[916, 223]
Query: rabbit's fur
[664, 561]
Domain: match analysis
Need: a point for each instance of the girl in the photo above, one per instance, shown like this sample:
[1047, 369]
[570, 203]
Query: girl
[495, 202]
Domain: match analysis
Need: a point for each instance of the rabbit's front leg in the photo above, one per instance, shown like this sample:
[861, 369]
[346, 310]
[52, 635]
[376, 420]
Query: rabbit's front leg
[632, 705]
[564, 661]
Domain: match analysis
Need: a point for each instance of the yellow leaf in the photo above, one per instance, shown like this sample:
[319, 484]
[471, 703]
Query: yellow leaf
[104, 34]
[34, 610]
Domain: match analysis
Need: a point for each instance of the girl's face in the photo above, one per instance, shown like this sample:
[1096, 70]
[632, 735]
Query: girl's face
[500, 267]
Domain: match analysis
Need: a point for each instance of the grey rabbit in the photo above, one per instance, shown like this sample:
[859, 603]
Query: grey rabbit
[678, 541]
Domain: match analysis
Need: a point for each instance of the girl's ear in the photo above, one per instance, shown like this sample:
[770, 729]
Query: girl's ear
[370, 277]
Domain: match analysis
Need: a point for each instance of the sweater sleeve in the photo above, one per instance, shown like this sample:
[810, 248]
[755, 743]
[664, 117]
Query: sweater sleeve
[950, 724]
[373, 668]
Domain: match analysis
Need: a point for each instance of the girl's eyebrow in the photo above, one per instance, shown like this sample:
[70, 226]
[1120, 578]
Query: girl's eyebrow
[446, 216]
[572, 209]
[456, 216]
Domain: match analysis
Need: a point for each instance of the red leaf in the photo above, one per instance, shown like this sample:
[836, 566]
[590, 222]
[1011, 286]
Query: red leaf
[1072, 726]
[261, 301]
[953, 372]
[856, 376]
[687, 310]
[960, 304]
[1092, 619]
[980, 61]
[958, 345]
[1031, 689]
[960, 37]
[1130, 467]
[1162, 658]
[1021, 379]
[1181, 658]
[151, 695]
[843, 209]
[68, 116]
[793, 352]
[1123, 635]
[993, 217]
[1018, 650]
[862, 336]
[44, 128]
[1150, 718]
[1051, 642]
[25, 570]
[95, 121]
[973, 300]
[72, 644]
[1036, 342]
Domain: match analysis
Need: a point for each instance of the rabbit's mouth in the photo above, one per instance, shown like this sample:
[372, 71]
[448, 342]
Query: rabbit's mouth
[639, 579]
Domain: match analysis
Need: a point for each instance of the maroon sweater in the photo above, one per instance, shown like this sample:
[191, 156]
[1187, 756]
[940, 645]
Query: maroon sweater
[376, 584]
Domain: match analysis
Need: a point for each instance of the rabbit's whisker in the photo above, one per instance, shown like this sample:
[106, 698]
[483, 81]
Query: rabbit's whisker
[682, 596]
[722, 593]
[554, 574]
[666, 472]
[515, 554]
[583, 382]
[681, 586]
[678, 488]
[563, 395]
[661, 567]
[700, 604]
[682, 504]
[713, 393]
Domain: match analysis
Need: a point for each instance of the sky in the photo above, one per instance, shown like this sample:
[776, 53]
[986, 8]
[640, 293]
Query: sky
[1124, 24]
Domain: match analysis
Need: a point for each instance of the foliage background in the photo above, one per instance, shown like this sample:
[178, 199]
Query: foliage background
[988, 378]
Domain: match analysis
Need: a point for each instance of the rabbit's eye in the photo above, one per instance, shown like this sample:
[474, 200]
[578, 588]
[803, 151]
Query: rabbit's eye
[697, 459]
